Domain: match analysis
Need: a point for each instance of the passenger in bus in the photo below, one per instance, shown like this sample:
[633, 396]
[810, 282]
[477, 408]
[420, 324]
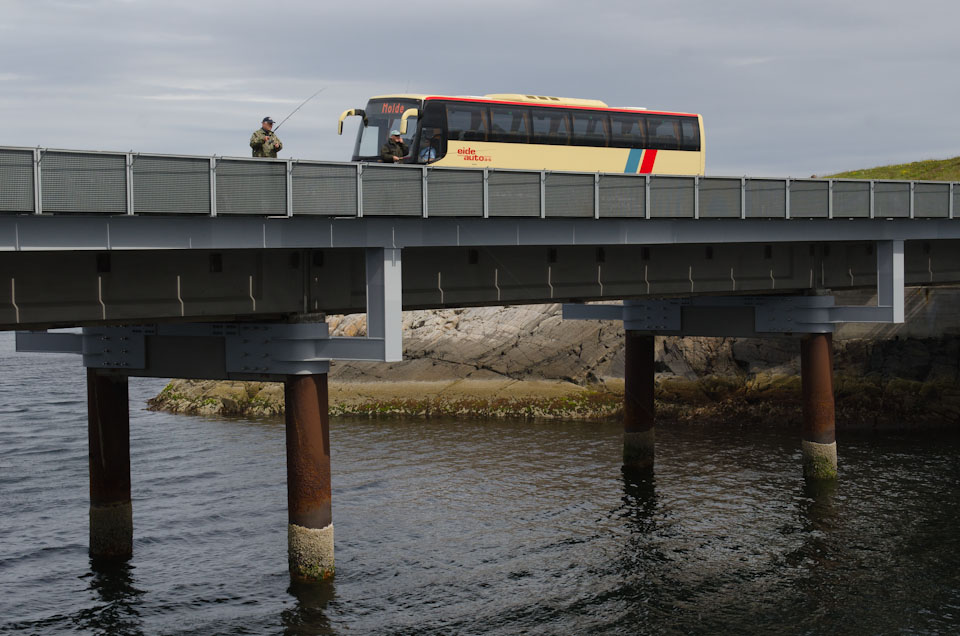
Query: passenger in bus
[429, 145]
[395, 149]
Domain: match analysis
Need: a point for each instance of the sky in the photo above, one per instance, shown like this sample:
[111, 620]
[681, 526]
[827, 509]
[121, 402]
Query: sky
[785, 88]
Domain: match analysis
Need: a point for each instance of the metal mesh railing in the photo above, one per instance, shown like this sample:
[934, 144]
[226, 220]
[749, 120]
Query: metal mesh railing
[891, 200]
[809, 199]
[514, 193]
[851, 199]
[766, 198]
[569, 195]
[931, 200]
[16, 181]
[392, 191]
[329, 190]
[622, 196]
[251, 187]
[720, 198]
[672, 197]
[452, 192]
[171, 185]
[77, 182]
[86, 183]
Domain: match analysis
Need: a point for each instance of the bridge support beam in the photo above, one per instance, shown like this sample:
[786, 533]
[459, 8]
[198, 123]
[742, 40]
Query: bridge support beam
[310, 527]
[108, 434]
[638, 409]
[819, 432]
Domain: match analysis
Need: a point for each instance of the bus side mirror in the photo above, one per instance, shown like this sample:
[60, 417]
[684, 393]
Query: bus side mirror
[407, 114]
[350, 113]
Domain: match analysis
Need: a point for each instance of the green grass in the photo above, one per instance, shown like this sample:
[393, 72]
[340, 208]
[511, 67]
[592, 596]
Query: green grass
[929, 170]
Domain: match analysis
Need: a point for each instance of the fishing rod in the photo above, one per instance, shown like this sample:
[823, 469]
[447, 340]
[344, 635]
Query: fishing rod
[277, 127]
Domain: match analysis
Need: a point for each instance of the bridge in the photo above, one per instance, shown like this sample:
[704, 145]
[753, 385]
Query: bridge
[222, 268]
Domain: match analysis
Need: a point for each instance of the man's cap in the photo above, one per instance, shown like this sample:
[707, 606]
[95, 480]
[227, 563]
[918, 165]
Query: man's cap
[394, 132]
[266, 120]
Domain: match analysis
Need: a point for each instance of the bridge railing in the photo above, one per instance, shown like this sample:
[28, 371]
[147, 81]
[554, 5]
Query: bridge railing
[49, 181]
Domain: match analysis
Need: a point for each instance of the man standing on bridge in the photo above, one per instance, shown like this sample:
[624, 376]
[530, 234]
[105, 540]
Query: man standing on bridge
[264, 142]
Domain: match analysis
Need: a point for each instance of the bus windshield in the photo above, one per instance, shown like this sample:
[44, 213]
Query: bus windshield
[382, 117]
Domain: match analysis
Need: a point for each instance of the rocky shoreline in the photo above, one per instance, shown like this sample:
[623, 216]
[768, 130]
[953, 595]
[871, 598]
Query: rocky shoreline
[861, 404]
[525, 362]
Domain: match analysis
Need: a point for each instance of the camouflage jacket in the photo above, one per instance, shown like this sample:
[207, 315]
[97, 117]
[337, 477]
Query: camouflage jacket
[262, 143]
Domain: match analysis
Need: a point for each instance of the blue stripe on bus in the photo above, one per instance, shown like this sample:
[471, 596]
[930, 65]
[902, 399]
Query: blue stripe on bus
[633, 161]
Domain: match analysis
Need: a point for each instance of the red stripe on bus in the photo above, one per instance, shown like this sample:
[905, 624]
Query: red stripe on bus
[607, 109]
[649, 156]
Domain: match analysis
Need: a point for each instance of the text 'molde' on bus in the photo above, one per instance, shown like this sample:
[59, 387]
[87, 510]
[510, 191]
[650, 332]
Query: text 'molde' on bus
[531, 132]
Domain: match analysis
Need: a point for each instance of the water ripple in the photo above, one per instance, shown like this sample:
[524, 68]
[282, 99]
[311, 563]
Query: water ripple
[467, 527]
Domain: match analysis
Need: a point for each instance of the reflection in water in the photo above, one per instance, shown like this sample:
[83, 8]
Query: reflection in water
[474, 527]
[639, 503]
[817, 505]
[117, 611]
[309, 615]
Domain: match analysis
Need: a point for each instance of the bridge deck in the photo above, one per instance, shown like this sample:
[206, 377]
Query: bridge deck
[95, 237]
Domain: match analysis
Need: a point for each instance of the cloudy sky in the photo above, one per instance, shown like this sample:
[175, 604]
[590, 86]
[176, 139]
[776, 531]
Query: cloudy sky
[785, 88]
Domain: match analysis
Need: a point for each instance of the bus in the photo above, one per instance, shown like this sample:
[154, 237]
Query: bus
[531, 132]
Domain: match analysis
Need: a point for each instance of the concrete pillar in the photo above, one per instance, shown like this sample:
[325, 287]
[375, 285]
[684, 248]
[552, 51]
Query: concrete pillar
[819, 432]
[638, 401]
[310, 528]
[108, 435]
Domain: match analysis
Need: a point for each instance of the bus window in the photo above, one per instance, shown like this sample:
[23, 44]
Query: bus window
[551, 126]
[370, 138]
[628, 131]
[690, 128]
[431, 144]
[509, 124]
[664, 133]
[466, 122]
[590, 129]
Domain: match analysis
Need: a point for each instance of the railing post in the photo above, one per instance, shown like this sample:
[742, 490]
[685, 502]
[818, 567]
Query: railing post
[786, 198]
[129, 175]
[423, 189]
[359, 190]
[646, 196]
[37, 188]
[289, 187]
[596, 195]
[213, 186]
[543, 194]
[912, 191]
[873, 211]
[830, 199]
[486, 193]
[743, 197]
[950, 203]
[696, 197]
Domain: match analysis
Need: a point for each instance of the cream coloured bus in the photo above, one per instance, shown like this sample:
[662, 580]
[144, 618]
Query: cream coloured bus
[532, 132]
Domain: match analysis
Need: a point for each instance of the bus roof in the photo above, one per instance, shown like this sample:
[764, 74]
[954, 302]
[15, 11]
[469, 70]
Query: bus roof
[539, 100]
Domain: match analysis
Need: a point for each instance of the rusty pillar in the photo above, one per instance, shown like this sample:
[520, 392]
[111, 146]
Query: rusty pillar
[638, 408]
[310, 528]
[819, 431]
[108, 436]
